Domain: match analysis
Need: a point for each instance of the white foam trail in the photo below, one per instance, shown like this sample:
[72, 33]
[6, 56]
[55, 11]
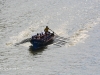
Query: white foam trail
[78, 36]
[61, 31]
[27, 33]
[22, 35]
[81, 34]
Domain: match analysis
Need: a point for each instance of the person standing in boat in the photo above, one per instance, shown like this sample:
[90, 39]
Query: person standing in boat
[47, 33]
[46, 30]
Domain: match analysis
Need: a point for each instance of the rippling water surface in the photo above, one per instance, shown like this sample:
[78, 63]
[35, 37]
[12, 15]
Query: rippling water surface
[78, 21]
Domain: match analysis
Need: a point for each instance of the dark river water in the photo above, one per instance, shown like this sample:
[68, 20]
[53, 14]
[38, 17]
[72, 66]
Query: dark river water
[78, 21]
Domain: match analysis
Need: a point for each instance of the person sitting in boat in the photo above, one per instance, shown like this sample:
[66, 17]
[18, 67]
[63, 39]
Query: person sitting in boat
[41, 35]
[34, 37]
[37, 36]
[46, 30]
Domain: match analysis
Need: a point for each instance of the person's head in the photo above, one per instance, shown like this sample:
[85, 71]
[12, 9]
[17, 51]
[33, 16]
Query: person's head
[46, 26]
[37, 33]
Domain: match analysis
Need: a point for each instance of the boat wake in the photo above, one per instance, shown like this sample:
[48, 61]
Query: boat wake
[25, 35]
[22, 37]
[81, 34]
[62, 38]
[23, 41]
[78, 36]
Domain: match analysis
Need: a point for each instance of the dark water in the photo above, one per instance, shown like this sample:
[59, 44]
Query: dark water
[78, 21]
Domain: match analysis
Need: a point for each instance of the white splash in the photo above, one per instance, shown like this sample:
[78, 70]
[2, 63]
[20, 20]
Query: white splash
[81, 34]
